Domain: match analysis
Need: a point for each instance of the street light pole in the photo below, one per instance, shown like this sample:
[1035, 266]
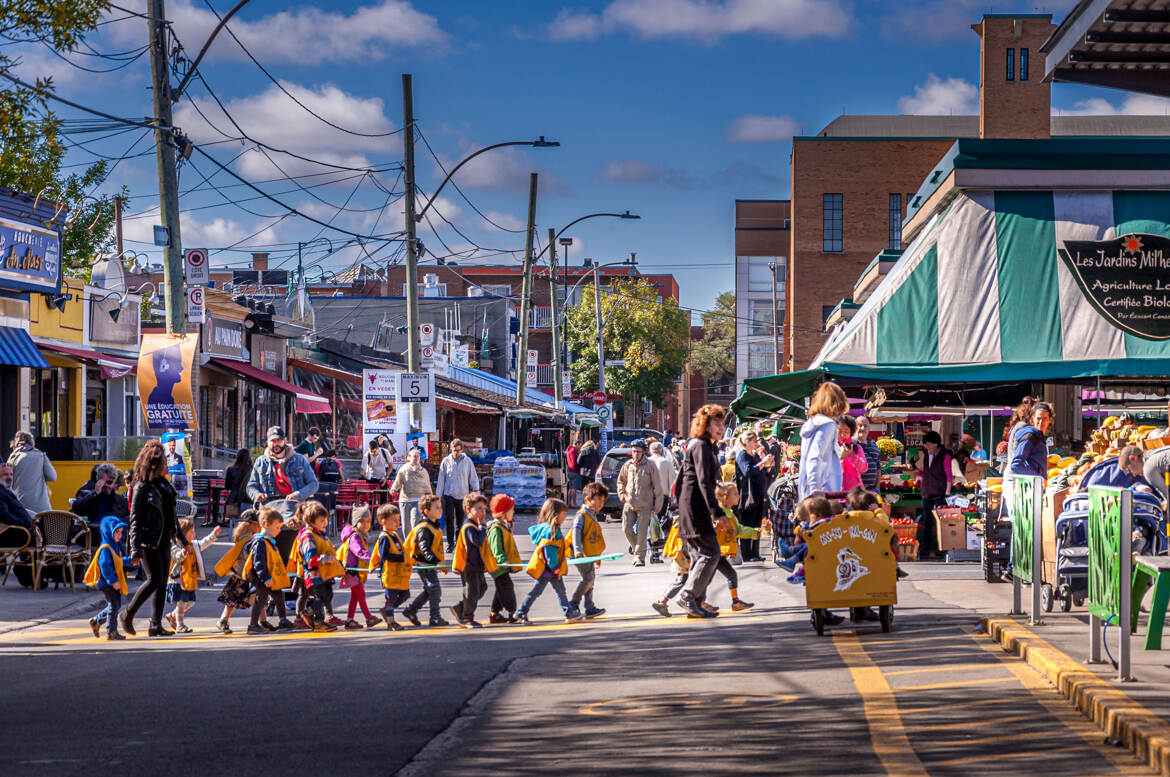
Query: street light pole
[526, 293]
[558, 387]
[412, 352]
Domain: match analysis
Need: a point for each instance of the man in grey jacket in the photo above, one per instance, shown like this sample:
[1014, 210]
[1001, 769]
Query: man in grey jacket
[264, 486]
[641, 497]
[457, 479]
[31, 473]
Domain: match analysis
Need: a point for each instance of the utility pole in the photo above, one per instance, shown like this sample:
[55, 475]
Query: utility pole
[600, 339]
[412, 354]
[775, 323]
[526, 292]
[559, 391]
[118, 226]
[174, 296]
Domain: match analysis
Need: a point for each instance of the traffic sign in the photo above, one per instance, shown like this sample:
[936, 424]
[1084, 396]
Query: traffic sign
[416, 387]
[605, 415]
[599, 398]
[195, 304]
[566, 382]
[533, 356]
[615, 362]
[196, 268]
[530, 377]
[428, 352]
[426, 333]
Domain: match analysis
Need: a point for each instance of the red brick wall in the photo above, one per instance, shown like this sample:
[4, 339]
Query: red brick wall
[1016, 108]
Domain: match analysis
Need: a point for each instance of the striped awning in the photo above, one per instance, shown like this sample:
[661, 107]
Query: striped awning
[17, 349]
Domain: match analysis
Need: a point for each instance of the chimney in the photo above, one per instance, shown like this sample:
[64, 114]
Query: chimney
[260, 260]
[1014, 99]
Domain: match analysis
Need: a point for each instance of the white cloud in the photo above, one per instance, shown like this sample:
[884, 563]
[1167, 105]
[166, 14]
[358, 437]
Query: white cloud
[449, 208]
[218, 232]
[505, 220]
[304, 35]
[755, 128]
[707, 20]
[502, 169]
[955, 96]
[1132, 105]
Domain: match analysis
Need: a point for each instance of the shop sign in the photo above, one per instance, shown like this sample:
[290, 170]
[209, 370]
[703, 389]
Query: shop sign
[225, 338]
[268, 359]
[164, 380]
[380, 412]
[30, 257]
[1126, 279]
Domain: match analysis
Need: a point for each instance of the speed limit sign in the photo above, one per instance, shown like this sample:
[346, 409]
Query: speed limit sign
[195, 304]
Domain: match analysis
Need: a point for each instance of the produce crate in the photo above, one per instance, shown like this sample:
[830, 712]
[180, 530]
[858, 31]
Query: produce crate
[908, 551]
[952, 528]
[908, 531]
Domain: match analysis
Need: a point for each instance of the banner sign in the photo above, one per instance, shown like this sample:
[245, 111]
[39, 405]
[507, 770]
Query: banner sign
[30, 257]
[1126, 279]
[380, 413]
[164, 380]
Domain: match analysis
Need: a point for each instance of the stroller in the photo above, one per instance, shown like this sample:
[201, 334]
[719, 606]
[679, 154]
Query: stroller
[782, 506]
[1071, 576]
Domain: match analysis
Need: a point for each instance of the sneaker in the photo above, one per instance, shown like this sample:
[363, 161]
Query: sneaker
[833, 619]
[597, 612]
[223, 627]
[1006, 576]
[95, 627]
[267, 627]
[373, 621]
[286, 625]
[438, 622]
[796, 578]
[574, 617]
[512, 618]
[411, 616]
[739, 605]
[183, 628]
[639, 562]
[393, 625]
[862, 614]
[657, 560]
[458, 615]
[661, 609]
[334, 621]
[324, 626]
[495, 618]
[114, 636]
[787, 563]
[304, 621]
[694, 609]
[472, 624]
[710, 607]
[255, 630]
[170, 619]
[127, 624]
[523, 620]
[351, 625]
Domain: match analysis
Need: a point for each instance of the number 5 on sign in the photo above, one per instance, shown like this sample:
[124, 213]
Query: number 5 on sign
[416, 389]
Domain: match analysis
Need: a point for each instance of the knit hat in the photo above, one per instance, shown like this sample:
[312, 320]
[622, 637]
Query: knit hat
[501, 504]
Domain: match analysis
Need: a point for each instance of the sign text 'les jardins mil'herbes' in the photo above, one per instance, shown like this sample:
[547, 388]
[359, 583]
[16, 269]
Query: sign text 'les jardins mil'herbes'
[1126, 279]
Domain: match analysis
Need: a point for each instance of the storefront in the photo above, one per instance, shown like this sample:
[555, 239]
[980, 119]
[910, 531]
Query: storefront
[220, 410]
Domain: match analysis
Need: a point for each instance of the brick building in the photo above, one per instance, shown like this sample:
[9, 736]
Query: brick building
[853, 182]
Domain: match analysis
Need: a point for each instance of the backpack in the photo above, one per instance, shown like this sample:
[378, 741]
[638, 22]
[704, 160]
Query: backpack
[328, 470]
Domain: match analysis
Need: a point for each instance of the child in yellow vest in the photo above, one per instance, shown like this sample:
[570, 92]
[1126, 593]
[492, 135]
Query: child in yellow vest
[234, 594]
[424, 548]
[354, 556]
[549, 562]
[389, 560]
[106, 572]
[186, 572]
[472, 559]
[502, 545]
[680, 564]
[728, 531]
[317, 565]
[265, 570]
[585, 539]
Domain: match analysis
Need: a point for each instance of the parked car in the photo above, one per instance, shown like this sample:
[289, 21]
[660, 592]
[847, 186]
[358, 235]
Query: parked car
[624, 435]
[607, 473]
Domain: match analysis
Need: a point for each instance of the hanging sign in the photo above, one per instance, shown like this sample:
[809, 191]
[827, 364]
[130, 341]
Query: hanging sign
[30, 257]
[196, 267]
[1127, 280]
[164, 380]
[418, 389]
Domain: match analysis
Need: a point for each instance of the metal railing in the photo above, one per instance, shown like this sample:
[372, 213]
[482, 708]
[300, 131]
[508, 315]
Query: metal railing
[544, 375]
[540, 318]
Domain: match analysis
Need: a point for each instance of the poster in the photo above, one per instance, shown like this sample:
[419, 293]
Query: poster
[164, 380]
[175, 447]
[380, 413]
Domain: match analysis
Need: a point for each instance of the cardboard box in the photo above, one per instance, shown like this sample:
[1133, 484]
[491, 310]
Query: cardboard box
[952, 528]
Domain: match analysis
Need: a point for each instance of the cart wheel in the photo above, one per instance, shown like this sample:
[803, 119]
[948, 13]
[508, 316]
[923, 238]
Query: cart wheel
[1046, 596]
[818, 622]
[1078, 600]
[1066, 598]
[886, 616]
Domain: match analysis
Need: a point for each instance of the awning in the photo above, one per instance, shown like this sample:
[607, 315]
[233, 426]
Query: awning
[112, 367]
[17, 349]
[307, 401]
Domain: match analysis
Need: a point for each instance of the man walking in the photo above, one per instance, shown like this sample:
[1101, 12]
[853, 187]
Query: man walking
[641, 497]
[457, 479]
[281, 473]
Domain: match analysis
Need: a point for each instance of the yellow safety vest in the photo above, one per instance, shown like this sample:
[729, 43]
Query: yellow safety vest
[395, 574]
[459, 562]
[411, 546]
[93, 572]
[280, 578]
[536, 564]
[592, 540]
[359, 565]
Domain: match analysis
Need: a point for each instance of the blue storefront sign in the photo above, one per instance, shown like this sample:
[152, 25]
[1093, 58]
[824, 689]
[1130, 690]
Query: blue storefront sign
[30, 256]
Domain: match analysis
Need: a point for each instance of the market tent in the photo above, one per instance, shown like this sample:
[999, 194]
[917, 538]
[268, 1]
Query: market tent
[982, 297]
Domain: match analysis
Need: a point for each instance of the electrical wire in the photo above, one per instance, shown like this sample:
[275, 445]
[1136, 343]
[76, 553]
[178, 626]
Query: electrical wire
[456, 186]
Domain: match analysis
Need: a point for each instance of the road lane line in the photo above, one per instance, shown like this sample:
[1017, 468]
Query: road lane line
[948, 668]
[992, 740]
[955, 684]
[946, 707]
[887, 733]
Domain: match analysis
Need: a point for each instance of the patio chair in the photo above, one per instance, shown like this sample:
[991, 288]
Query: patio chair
[55, 535]
[14, 547]
[185, 508]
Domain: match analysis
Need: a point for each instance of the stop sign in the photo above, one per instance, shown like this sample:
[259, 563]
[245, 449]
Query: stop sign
[599, 398]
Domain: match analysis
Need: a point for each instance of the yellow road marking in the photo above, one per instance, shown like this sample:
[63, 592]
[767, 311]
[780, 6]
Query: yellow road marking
[946, 707]
[1025, 735]
[950, 668]
[969, 723]
[979, 759]
[887, 734]
[955, 684]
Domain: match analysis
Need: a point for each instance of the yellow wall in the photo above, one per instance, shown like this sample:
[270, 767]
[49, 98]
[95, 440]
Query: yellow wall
[72, 475]
[67, 325]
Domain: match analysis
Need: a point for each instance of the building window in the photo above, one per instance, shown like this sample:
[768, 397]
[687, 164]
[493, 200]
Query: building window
[1023, 64]
[761, 359]
[761, 317]
[1011, 64]
[895, 221]
[833, 205]
[760, 274]
[826, 311]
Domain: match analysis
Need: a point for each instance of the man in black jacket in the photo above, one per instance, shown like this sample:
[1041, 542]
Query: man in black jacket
[103, 500]
[12, 512]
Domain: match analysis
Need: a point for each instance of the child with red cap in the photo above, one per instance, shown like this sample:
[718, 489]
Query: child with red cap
[502, 545]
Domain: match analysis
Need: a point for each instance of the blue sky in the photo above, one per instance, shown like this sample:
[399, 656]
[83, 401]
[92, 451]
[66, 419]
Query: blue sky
[669, 108]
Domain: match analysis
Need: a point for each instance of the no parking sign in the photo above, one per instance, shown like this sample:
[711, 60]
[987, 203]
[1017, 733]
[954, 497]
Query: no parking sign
[195, 304]
[196, 267]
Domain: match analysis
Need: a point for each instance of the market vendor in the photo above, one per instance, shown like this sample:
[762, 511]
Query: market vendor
[939, 472]
[1031, 443]
[1125, 471]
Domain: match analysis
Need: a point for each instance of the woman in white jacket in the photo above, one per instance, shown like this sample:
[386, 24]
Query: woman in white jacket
[820, 464]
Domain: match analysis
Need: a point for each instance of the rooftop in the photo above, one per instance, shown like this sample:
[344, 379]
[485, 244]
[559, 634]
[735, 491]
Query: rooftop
[907, 126]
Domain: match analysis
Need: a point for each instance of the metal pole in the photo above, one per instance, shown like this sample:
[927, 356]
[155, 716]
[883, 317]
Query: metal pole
[174, 295]
[412, 353]
[775, 324]
[604, 433]
[558, 390]
[118, 226]
[1125, 586]
[526, 292]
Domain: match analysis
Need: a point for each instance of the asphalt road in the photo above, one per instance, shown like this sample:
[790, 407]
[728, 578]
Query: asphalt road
[630, 694]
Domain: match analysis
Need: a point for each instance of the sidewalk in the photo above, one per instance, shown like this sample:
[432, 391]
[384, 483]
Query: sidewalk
[1134, 714]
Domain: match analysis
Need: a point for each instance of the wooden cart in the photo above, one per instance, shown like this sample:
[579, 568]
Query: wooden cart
[849, 564]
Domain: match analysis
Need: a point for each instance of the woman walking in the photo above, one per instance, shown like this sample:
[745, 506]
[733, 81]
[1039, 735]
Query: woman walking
[411, 483]
[820, 464]
[153, 527]
[235, 483]
[698, 506]
[751, 480]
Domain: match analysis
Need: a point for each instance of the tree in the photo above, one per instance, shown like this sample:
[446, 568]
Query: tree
[714, 354]
[31, 145]
[651, 336]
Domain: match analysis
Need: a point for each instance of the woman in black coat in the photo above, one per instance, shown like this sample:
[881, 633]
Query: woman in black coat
[153, 527]
[697, 506]
[235, 482]
[751, 480]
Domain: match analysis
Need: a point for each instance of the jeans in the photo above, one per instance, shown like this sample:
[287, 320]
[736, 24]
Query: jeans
[109, 615]
[725, 568]
[409, 510]
[705, 555]
[395, 597]
[323, 592]
[505, 596]
[637, 540]
[156, 562]
[474, 587]
[430, 593]
[452, 518]
[680, 580]
[585, 588]
[558, 586]
[263, 594]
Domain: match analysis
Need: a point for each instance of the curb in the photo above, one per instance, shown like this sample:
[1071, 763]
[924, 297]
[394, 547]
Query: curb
[1132, 725]
[68, 611]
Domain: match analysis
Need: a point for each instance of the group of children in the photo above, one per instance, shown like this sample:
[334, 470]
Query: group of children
[259, 575]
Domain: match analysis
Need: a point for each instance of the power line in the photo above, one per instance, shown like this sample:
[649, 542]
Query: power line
[461, 194]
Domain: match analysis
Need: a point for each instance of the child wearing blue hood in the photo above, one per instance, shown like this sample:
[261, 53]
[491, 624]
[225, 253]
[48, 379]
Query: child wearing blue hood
[107, 574]
[549, 561]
